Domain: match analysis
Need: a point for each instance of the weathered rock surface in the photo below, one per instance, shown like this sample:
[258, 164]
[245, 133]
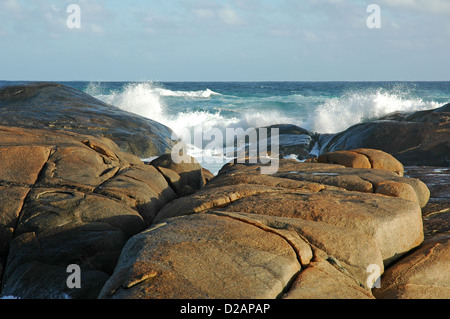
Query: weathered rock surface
[415, 139]
[424, 274]
[185, 178]
[323, 281]
[57, 107]
[333, 233]
[363, 158]
[311, 192]
[203, 256]
[67, 198]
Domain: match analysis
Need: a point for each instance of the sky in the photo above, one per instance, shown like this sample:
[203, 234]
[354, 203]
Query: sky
[225, 40]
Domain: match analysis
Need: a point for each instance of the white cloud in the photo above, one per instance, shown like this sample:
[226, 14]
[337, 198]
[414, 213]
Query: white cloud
[213, 13]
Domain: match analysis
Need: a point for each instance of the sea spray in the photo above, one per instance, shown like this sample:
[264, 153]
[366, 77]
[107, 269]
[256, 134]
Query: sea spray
[338, 114]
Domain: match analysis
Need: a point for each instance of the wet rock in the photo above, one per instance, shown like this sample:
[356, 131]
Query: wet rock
[436, 213]
[291, 139]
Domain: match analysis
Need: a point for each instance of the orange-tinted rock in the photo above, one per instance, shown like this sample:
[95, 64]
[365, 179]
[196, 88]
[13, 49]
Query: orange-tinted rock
[363, 158]
[424, 274]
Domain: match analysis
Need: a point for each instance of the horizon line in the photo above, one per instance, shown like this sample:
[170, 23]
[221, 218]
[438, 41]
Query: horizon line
[225, 81]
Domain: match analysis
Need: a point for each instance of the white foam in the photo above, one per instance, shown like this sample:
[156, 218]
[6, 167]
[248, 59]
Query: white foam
[292, 156]
[338, 114]
[138, 98]
[193, 94]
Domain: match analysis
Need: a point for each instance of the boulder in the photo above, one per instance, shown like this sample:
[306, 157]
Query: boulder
[54, 106]
[158, 230]
[68, 198]
[363, 158]
[323, 281]
[291, 139]
[311, 192]
[346, 158]
[414, 139]
[185, 177]
[423, 274]
[349, 250]
[203, 256]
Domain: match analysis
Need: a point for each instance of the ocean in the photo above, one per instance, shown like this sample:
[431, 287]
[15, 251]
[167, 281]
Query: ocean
[321, 107]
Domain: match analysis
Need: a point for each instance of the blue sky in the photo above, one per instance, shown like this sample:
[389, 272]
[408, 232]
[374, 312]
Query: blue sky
[225, 40]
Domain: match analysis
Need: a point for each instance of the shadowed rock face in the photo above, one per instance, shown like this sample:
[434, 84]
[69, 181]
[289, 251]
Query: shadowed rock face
[419, 138]
[58, 107]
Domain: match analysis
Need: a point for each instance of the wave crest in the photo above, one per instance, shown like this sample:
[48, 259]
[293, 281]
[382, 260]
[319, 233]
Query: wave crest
[338, 114]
